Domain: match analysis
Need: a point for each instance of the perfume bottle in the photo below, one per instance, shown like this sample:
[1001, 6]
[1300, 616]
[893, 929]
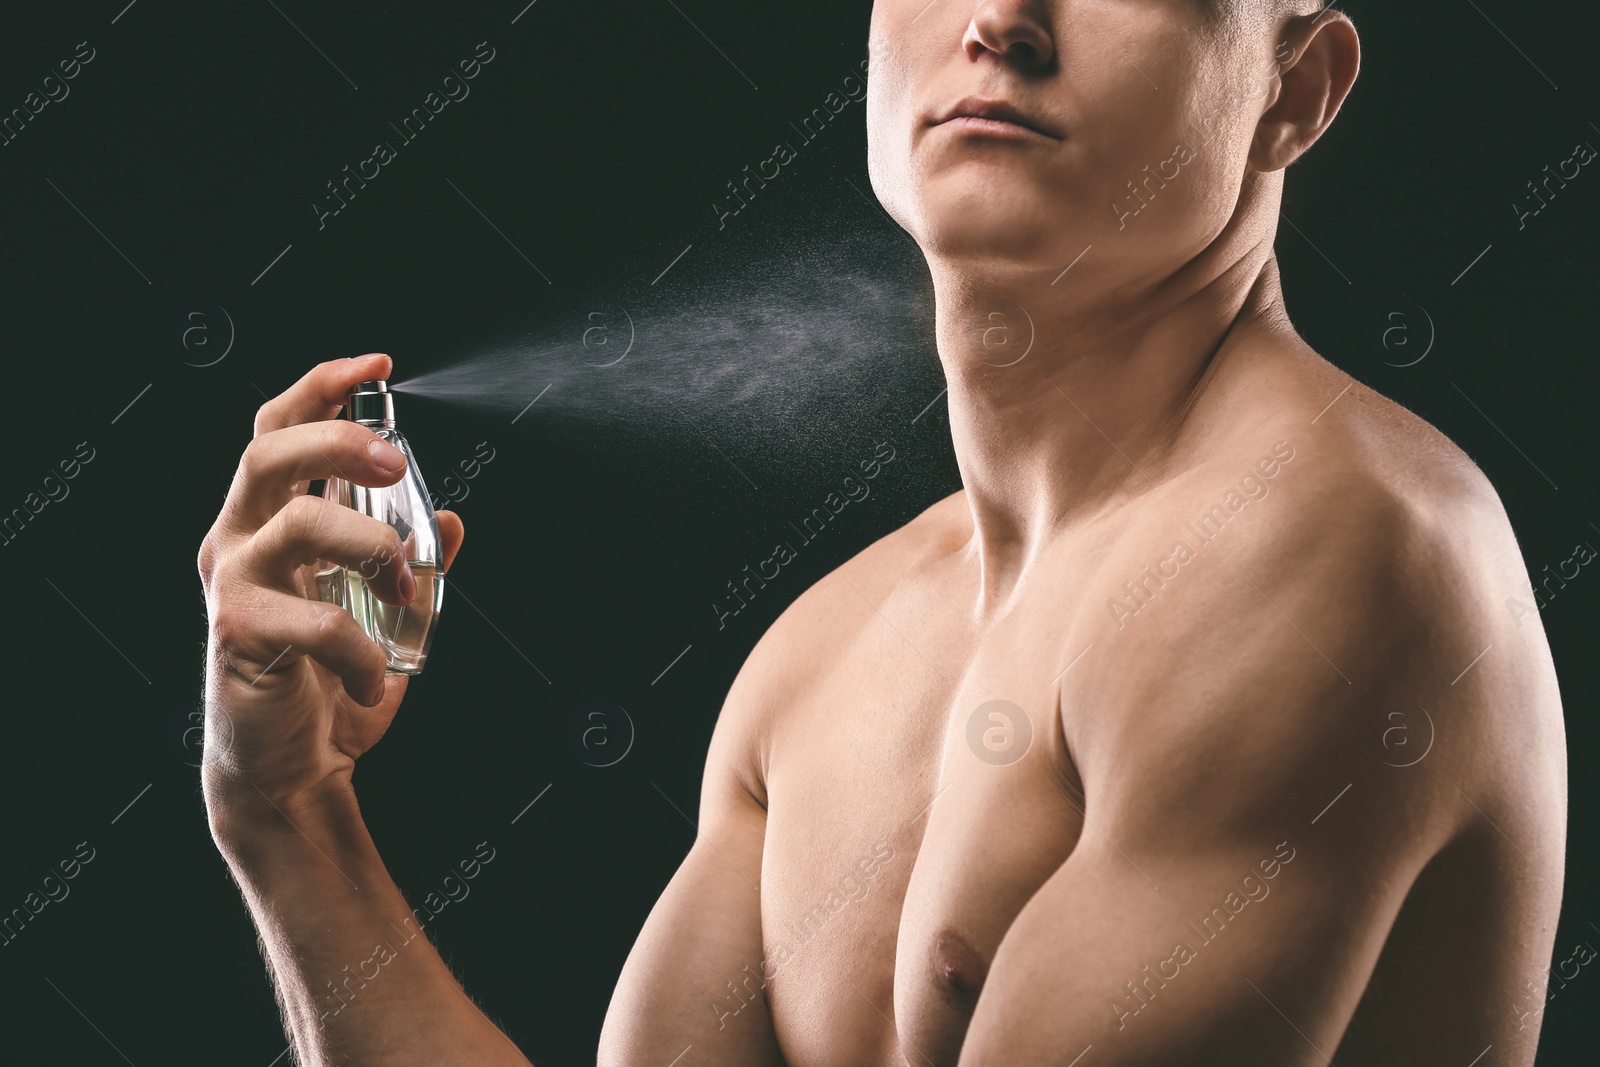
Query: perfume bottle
[403, 631]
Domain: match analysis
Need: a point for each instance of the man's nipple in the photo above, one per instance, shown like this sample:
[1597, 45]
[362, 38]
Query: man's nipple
[957, 967]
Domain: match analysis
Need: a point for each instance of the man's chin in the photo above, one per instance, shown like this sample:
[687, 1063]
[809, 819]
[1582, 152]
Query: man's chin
[977, 210]
[979, 234]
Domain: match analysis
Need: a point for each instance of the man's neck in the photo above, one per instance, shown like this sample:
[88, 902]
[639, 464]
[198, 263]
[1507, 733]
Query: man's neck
[1065, 402]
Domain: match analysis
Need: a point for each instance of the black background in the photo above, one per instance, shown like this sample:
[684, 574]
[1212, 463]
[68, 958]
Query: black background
[596, 141]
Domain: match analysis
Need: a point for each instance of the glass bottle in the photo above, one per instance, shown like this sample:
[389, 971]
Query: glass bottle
[404, 631]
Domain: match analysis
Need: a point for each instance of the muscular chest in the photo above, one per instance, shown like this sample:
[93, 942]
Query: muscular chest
[917, 798]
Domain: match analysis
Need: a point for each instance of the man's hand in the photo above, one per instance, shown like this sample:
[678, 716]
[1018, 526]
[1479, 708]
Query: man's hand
[295, 693]
[295, 690]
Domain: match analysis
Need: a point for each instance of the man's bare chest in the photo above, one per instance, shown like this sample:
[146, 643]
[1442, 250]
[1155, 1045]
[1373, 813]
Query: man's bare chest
[919, 792]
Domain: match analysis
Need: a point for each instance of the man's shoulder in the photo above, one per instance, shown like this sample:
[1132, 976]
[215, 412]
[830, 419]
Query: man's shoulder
[835, 605]
[819, 625]
[1351, 490]
[1333, 553]
[1326, 588]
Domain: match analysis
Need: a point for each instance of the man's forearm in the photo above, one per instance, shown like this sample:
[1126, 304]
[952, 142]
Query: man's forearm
[359, 981]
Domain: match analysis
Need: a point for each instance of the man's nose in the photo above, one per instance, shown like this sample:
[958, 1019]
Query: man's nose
[1016, 31]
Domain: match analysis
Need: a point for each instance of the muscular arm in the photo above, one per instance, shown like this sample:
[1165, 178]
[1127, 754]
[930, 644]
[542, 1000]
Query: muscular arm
[296, 692]
[358, 981]
[693, 979]
[1237, 763]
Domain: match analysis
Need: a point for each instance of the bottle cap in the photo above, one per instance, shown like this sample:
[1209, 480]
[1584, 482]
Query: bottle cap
[371, 404]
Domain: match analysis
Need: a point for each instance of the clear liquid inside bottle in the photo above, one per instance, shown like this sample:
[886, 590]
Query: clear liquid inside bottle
[404, 631]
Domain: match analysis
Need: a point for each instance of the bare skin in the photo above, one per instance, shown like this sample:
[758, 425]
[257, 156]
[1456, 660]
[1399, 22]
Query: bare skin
[1292, 793]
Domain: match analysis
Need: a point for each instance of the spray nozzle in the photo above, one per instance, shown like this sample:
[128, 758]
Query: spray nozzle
[371, 404]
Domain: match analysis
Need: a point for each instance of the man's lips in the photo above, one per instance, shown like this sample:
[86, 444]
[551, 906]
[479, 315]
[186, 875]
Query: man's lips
[984, 115]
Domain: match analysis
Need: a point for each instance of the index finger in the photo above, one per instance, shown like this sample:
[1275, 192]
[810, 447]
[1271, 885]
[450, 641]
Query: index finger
[321, 392]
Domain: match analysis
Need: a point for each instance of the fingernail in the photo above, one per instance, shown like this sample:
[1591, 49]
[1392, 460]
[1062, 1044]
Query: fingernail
[385, 455]
[408, 583]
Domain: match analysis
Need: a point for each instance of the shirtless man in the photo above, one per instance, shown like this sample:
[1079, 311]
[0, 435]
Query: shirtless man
[1202, 726]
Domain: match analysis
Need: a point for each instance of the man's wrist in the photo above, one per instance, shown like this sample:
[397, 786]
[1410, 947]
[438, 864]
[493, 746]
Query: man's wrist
[239, 812]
